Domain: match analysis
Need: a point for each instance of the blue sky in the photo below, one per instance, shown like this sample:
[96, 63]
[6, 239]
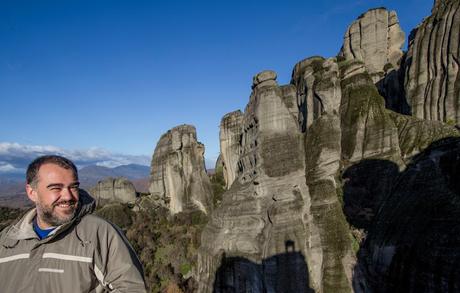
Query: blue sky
[115, 75]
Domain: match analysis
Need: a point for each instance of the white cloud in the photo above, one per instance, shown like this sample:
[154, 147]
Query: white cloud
[15, 156]
[8, 168]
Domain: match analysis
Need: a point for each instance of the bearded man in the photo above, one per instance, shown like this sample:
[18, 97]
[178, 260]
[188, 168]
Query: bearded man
[59, 246]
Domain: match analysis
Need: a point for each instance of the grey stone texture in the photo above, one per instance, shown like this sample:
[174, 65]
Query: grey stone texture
[114, 190]
[322, 163]
[432, 79]
[376, 39]
[230, 135]
[178, 176]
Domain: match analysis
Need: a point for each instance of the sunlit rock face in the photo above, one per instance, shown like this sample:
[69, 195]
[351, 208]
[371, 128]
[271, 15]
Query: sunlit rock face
[317, 81]
[432, 79]
[230, 136]
[114, 190]
[269, 216]
[323, 166]
[178, 176]
[376, 39]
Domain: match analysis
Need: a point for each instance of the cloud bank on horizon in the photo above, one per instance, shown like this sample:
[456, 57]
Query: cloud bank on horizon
[15, 157]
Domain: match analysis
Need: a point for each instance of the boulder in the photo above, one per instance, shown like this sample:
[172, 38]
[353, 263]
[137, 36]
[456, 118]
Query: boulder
[114, 190]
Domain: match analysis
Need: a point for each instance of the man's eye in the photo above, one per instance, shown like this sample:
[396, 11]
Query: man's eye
[55, 188]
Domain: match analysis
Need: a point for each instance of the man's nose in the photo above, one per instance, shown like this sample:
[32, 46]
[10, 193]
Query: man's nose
[67, 193]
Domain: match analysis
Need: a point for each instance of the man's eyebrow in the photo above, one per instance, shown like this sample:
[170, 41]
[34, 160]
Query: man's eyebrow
[55, 185]
[73, 184]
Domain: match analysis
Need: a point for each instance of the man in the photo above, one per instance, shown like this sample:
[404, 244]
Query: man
[59, 246]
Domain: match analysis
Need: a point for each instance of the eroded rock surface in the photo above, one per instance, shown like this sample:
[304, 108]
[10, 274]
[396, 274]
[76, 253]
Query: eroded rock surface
[114, 190]
[269, 216]
[320, 161]
[230, 136]
[178, 175]
[432, 79]
[414, 243]
[376, 39]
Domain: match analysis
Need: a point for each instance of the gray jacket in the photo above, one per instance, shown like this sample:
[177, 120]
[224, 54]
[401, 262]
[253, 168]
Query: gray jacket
[86, 255]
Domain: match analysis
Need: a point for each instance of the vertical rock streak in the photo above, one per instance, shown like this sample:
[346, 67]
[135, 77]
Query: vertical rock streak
[432, 70]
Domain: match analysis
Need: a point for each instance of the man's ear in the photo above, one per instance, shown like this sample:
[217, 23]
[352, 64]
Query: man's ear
[31, 192]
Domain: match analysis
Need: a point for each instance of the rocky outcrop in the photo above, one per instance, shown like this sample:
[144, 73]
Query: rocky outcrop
[376, 39]
[268, 215]
[413, 244]
[114, 190]
[230, 136]
[178, 176]
[318, 88]
[432, 79]
[320, 161]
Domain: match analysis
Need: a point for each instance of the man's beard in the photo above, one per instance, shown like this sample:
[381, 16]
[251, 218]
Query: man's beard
[48, 215]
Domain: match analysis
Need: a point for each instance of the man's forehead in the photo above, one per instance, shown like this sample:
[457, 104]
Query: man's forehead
[48, 169]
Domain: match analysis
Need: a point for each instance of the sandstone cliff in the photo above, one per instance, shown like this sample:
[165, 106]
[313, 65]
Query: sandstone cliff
[413, 244]
[328, 189]
[178, 175]
[230, 135]
[300, 179]
[376, 39]
[432, 79]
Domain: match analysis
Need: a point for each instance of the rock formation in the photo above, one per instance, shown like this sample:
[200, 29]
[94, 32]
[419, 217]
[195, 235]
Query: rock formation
[376, 39]
[230, 135]
[432, 79]
[114, 190]
[269, 214]
[178, 175]
[322, 168]
[413, 245]
[294, 170]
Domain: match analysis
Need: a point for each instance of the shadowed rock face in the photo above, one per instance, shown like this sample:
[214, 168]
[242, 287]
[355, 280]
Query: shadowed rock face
[432, 79]
[413, 244]
[178, 177]
[230, 135]
[114, 190]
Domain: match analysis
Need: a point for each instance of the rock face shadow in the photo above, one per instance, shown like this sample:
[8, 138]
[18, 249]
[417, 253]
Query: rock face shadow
[284, 272]
[365, 186]
[413, 240]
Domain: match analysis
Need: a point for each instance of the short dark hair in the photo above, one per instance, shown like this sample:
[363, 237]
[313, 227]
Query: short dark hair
[32, 169]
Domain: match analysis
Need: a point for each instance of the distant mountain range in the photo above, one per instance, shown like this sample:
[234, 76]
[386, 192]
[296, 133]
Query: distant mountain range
[90, 175]
[12, 184]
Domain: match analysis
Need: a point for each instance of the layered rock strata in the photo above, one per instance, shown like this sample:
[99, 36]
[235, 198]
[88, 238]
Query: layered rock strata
[178, 175]
[432, 79]
[230, 136]
[114, 190]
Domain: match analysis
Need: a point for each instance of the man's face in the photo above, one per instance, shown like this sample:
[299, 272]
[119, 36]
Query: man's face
[55, 195]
